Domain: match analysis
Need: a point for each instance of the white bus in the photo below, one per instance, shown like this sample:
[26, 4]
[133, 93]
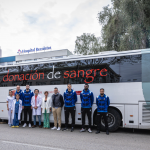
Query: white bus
[125, 76]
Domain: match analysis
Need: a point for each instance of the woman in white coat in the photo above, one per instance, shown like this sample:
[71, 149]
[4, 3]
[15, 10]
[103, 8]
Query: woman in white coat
[10, 99]
[16, 111]
[46, 109]
[36, 102]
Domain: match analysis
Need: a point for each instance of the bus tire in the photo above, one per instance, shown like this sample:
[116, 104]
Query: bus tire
[114, 120]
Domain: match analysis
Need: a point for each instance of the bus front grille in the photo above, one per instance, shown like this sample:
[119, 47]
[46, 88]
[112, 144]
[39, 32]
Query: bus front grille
[146, 113]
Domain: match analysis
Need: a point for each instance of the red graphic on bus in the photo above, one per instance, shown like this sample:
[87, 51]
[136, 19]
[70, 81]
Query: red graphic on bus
[88, 75]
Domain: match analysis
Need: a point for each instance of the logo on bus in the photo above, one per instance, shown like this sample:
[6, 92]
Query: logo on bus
[34, 75]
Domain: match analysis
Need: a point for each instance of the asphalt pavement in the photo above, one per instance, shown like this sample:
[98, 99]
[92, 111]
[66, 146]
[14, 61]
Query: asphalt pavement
[39, 138]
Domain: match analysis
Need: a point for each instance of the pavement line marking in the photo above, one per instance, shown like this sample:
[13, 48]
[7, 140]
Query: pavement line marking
[32, 145]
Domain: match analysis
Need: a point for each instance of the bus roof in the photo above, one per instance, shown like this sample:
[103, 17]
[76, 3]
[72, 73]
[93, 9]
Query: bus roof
[83, 57]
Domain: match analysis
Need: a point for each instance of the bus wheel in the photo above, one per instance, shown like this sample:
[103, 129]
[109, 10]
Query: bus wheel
[114, 120]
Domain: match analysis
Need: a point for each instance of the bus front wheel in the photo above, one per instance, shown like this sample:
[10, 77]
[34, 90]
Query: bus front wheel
[114, 120]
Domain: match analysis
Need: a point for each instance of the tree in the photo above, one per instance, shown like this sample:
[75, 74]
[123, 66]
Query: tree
[87, 44]
[126, 25]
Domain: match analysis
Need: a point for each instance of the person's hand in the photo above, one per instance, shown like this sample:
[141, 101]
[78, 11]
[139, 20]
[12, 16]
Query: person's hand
[11, 111]
[22, 107]
[50, 109]
[31, 107]
[8, 109]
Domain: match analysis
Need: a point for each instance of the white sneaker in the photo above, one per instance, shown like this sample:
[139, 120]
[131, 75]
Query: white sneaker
[58, 129]
[89, 130]
[54, 128]
[29, 125]
[82, 130]
[24, 125]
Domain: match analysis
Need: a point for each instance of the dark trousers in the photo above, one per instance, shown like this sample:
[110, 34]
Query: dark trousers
[27, 109]
[70, 110]
[85, 111]
[99, 116]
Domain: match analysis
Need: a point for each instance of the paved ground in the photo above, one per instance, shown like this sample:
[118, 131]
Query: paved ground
[37, 139]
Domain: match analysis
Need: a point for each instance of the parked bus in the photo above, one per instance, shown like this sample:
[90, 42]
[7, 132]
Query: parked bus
[125, 76]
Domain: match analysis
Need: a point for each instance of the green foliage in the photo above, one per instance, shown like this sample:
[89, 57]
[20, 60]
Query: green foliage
[87, 44]
[125, 26]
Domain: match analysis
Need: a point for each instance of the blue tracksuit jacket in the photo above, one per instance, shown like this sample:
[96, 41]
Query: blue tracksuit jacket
[102, 103]
[87, 99]
[70, 98]
[20, 94]
[27, 98]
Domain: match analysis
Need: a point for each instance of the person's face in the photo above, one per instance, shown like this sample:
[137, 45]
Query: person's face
[102, 92]
[86, 87]
[69, 87]
[46, 94]
[27, 87]
[36, 92]
[10, 93]
[55, 91]
[17, 96]
[18, 88]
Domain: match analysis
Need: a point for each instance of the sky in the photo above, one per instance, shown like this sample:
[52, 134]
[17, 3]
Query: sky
[26, 24]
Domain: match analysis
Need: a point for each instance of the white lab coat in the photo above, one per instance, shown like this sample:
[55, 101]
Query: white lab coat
[13, 108]
[10, 100]
[39, 102]
[46, 105]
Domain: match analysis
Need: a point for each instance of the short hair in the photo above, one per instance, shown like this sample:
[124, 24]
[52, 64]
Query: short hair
[56, 88]
[46, 92]
[69, 84]
[102, 89]
[86, 84]
[17, 95]
[18, 85]
[27, 85]
[36, 89]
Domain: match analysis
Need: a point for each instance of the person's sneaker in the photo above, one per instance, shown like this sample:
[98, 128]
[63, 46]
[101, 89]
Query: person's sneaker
[33, 126]
[107, 132]
[72, 129]
[17, 126]
[40, 126]
[64, 129]
[58, 129]
[82, 130]
[54, 128]
[89, 130]
[29, 125]
[97, 132]
[13, 126]
[24, 125]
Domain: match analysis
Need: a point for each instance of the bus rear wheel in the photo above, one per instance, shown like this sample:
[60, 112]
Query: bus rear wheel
[114, 120]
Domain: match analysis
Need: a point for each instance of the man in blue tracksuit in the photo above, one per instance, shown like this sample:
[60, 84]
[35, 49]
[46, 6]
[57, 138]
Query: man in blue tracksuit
[87, 99]
[20, 92]
[102, 102]
[26, 105]
[70, 98]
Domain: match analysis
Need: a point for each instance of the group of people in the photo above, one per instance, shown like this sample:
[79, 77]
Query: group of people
[34, 104]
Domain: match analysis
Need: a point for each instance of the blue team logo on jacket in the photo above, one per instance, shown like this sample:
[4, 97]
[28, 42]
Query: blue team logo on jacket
[102, 103]
[86, 99]
[70, 98]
